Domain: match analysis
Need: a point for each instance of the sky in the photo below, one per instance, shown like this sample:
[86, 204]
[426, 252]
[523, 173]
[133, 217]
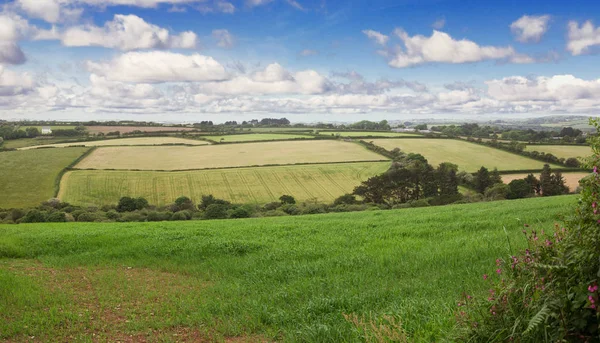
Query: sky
[307, 60]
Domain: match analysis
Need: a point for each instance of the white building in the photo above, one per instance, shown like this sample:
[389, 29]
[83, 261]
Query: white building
[46, 130]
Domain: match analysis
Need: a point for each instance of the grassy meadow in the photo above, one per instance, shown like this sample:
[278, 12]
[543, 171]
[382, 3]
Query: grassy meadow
[41, 140]
[564, 151]
[323, 182]
[571, 178]
[366, 134]
[287, 279]
[255, 137]
[127, 141]
[468, 156]
[29, 177]
[226, 155]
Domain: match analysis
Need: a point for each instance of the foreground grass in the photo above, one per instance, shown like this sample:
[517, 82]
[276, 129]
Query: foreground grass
[28, 177]
[468, 156]
[260, 185]
[285, 279]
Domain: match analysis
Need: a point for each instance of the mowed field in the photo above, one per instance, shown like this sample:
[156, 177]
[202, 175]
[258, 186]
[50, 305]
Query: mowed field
[28, 177]
[41, 140]
[571, 179]
[323, 182]
[128, 129]
[468, 156]
[366, 134]
[255, 137]
[285, 279]
[226, 155]
[564, 151]
[127, 141]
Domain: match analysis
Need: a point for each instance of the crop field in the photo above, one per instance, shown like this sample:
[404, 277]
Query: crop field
[127, 141]
[468, 156]
[226, 155]
[41, 140]
[366, 134]
[564, 151]
[128, 129]
[28, 177]
[323, 182]
[571, 179]
[255, 137]
[287, 279]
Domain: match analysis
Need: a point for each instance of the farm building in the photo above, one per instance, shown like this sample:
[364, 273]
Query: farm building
[46, 130]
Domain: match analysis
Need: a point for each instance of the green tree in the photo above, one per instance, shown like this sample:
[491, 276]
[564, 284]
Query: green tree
[518, 189]
[287, 199]
[482, 180]
[184, 203]
[448, 179]
[495, 177]
[216, 211]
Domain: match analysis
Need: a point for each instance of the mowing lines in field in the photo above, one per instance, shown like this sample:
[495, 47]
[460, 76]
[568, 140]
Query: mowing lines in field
[325, 182]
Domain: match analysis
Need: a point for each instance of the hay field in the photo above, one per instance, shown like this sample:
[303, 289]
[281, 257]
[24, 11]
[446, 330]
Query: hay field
[255, 137]
[226, 155]
[126, 141]
[127, 129]
[468, 156]
[323, 182]
[366, 134]
[564, 151]
[28, 177]
[571, 179]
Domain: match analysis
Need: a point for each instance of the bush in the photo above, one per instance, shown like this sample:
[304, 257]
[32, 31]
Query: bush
[240, 212]
[86, 217]
[181, 215]
[3, 215]
[272, 206]
[313, 209]
[154, 216]
[287, 199]
[127, 204]
[112, 214]
[133, 217]
[572, 162]
[16, 214]
[498, 191]
[34, 216]
[208, 200]
[290, 209]
[184, 203]
[57, 217]
[347, 199]
[518, 189]
[216, 211]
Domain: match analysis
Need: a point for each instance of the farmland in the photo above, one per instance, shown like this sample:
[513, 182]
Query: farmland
[366, 134]
[571, 179]
[129, 129]
[226, 155]
[41, 140]
[126, 141]
[52, 127]
[255, 137]
[288, 279]
[562, 151]
[468, 156]
[28, 177]
[323, 182]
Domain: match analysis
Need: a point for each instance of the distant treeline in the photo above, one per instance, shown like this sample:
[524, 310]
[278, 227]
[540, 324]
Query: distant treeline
[566, 134]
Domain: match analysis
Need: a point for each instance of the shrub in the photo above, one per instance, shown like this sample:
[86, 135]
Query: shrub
[240, 212]
[290, 209]
[181, 215]
[518, 189]
[347, 199]
[86, 217]
[127, 204]
[272, 206]
[208, 200]
[3, 215]
[572, 162]
[184, 203]
[16, 214]
[112, 214]
[133, 217]
[313, 209]
[57, 217]
[287, 199]
[34, 216]
[498, 191]
[216, 211]
[154, 216]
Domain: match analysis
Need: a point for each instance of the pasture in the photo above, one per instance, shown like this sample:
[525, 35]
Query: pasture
[562, 151]
[52, 127]
[323, 183]
[255, 137]
[28, 177]
[226, 155]
[126, 142]
[129, 129]
[468, 156]
[287, 279]
[366, 134]
[40, 140]
[571, 179]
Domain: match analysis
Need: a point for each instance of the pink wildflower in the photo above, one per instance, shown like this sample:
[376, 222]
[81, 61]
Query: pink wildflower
[499, 271]
[485, 276]
[593, 288]
[595, 170]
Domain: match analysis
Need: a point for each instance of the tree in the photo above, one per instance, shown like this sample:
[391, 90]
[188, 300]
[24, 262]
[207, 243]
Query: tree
[216, 211]
[208, 200]
[497, 191]
[518, 189]
[546, 182]
[482, 180]
[448, 179]
[495, 177]
[32, 132]
[559, 183]
[287, 199]
[533, 183]
[184, 203]
[572, 162]
[346, 199]
[34, 216]
[128, 204]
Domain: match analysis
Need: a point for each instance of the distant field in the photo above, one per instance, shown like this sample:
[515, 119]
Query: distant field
[279, 129]
[571, 179]
[127, 141]
[323, 182]
[226, 155]
[255, 137]
[285, 279]
[25, 142]
[52, 127]
[127, 129]
[564, 151]
[468, 156]
[28, 177]
[366, 134]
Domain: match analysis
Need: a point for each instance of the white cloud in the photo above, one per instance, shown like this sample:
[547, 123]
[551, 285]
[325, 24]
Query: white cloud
[295, 4]
[439, 24]
[158, 67]
[376, 37]
[530, 28]
[12, 83]
[224, 38]
[308, 52]
[440, 47]
[254, 3]
[583, 37]
[555, 88]
[219, 6]
[127, 32]
[11, 53]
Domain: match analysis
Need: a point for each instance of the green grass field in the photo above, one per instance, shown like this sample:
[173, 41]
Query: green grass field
[564, 151]
[287, 279]
[28, 177]
[255, 137]
[366, 134]
[226, 155]
[127, 141]
[323, 182]
[26, 142]
[52, 127]
[468, 156]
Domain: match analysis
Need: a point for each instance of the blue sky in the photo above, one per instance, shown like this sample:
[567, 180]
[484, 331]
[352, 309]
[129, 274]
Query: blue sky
[308, 60]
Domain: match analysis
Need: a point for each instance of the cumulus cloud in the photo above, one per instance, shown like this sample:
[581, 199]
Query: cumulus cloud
[224, 38]
[127, 32]
[530, 28]
[159, 67]
[555, 88]
[11, 53]
[12, 83]
[12, 29]
[582, 38]
[376, 37]
[440, 47]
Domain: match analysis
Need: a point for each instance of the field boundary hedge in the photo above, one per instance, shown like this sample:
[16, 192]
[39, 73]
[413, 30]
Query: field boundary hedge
[60, 175]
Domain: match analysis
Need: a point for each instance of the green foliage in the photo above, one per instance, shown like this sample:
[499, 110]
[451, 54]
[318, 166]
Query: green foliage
[34, 216]
[56, 217]
[482, 180]
[184, 203]
[498, 191]
[208, 200]
[347, 199]
[518, 189]
[216, 211]
[287, 199]
[128, 204]
[240, 212]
